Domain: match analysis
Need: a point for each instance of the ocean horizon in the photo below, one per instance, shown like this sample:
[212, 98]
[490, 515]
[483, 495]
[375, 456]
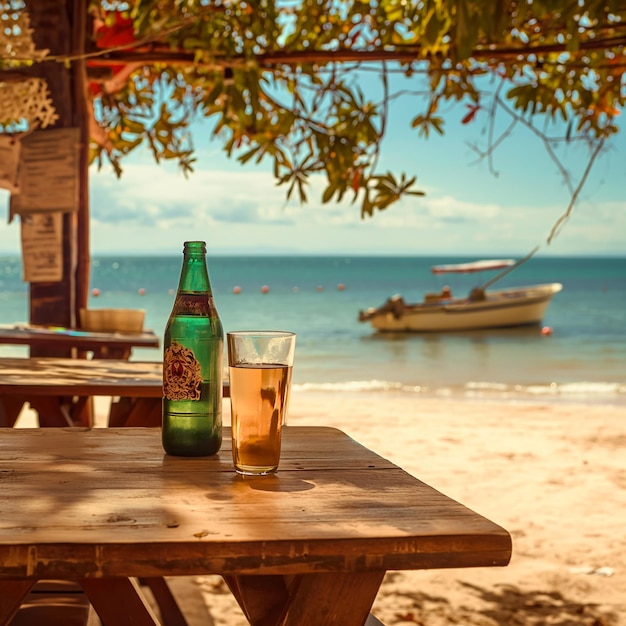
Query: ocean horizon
[583, 359]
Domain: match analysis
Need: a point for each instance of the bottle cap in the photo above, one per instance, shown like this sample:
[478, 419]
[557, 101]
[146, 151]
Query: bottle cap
[195, 246]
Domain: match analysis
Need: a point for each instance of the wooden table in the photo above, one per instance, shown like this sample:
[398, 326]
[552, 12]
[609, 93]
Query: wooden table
[102, 345]
[60, 389]
[307, 546]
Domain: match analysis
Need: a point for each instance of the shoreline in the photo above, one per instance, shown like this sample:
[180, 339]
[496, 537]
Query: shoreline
[584, 392]
[482, 392]
[304, 397]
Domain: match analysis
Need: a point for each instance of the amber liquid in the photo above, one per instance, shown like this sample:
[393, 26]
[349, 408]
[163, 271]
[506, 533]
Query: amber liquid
[259, 395]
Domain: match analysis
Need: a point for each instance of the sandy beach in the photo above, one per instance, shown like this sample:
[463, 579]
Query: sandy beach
[553, 475]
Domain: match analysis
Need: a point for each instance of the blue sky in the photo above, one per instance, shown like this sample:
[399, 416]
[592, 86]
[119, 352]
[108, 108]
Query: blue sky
[467, 210]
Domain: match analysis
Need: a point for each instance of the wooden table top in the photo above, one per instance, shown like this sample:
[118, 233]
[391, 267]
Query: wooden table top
[99, 377]
[108, 502]
[75, 338]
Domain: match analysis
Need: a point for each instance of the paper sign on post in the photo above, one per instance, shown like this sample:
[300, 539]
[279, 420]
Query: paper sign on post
[42, 247]
[48, 172]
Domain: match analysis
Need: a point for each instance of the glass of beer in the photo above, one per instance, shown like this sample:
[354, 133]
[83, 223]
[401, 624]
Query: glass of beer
[260, 365]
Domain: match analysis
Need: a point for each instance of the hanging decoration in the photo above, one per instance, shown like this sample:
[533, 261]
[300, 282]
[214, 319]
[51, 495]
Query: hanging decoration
[22, 100]
[16, 37]
[26, 100]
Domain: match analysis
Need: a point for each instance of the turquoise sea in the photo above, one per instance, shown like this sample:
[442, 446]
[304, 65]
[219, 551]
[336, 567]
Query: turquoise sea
[582, 360]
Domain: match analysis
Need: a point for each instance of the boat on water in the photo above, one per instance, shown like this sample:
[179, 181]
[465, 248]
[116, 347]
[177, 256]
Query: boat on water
[481, 309]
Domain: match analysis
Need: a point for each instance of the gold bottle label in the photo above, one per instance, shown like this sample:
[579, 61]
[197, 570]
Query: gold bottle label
[181, 373]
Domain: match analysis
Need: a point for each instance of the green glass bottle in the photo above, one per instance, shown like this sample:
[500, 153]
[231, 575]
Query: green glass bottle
[193, 346]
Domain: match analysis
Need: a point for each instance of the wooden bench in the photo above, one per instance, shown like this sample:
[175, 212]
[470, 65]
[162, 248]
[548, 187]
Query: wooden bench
[60, 389]
[54, 603]
[63, 603]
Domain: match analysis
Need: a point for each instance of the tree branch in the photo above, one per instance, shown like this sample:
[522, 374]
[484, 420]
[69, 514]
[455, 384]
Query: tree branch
[563, 218]
[401, 53]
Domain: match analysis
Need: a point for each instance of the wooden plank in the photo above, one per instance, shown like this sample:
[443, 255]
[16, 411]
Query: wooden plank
[81, 377]
[66, 337]
[62, 390]
[109, 502]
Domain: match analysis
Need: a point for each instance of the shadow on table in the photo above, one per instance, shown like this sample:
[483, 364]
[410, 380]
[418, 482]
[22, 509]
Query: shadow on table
[505, 604]
[274, 483]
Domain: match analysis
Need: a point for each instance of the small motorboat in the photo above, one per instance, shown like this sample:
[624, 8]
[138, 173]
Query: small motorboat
[482, 309]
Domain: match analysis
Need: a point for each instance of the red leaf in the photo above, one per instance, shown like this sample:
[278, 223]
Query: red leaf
[473, 109]
[356, 179]
[120, 34]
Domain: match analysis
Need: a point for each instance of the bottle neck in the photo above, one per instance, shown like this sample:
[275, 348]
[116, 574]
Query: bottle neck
[194, 277]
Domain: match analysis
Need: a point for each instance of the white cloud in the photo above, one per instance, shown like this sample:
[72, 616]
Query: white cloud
[453, 209]
[153, 208]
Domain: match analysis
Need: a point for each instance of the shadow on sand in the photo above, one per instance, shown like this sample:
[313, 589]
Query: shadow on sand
[505, 605]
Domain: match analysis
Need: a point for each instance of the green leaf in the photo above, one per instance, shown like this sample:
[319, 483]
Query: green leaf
[328, 193]
[244, 158]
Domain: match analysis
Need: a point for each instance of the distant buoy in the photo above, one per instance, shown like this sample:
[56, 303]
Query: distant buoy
[171, 292]
[265, 289]
[237, 289]
[295, 289]
[320, 288]
[341, 287]
[546, 330]
[95, 292]
[141, 291]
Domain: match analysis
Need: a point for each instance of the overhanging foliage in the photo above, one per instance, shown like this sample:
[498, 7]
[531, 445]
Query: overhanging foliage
[278, 79]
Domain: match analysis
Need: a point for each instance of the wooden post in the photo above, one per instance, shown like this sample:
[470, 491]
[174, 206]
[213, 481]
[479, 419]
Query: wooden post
[59, 26]
[80, 24]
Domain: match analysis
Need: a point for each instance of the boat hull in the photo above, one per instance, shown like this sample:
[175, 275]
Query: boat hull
[504, 308]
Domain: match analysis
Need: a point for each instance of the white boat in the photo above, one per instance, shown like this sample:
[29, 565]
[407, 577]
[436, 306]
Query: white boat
[441, 312]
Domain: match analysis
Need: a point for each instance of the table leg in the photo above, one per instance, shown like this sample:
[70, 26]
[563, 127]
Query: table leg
[261, 598]
[118, 602]
[325, 599]
[112, 352]
[51, 411]
[61, 411]
[135, 412]
[82, 410]
[10, 407]
[12, 594]
[171, 615]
